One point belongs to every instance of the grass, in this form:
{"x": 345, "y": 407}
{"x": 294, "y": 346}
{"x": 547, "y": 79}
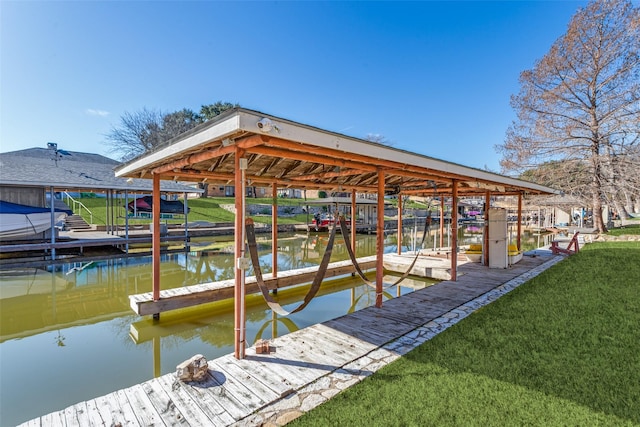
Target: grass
{"x": 208, "y": 209}
{"x": 562, "y": 349}
{"x": 627, "y": 229}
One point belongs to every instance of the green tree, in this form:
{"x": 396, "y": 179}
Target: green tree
{"x": 208, "y": 112}
{"x": 580, "y": 105}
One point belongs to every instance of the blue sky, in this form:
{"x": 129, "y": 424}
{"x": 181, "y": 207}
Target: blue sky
{"x": 431, "y": 77}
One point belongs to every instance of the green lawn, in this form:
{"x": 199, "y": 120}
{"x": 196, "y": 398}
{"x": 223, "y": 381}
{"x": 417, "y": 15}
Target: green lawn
{"x": 627, "y": 229}
{"x": 208, "y": 209}
{"x": 562, "y": 349}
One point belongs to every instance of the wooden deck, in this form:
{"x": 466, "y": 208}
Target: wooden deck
{"x": 307, "y": 366}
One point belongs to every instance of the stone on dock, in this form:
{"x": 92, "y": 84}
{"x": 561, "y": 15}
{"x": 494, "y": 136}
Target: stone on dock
{"x": 194, "y": 369}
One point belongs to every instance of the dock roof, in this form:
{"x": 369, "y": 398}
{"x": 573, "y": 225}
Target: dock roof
{"x": 293, "y": 155}
{"x": 73, "y": 171}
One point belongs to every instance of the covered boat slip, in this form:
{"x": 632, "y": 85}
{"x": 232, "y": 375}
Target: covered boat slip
{"x": 246, "y": 147}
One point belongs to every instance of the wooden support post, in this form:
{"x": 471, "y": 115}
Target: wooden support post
{"x": 353, "y": 221}
{"x": 186, "y": 224}
{"x": 519, "y": 221}
{"x": 441, "y": 221}
{"x": 380, "y": 240}
{"x": 485, "y": 238}
{"x": 454, "y": 230}
{"x": 274, "y": 230}
{"x": 53, "y": 223}
{"x": 239, "y": 319}
{"x": 399, "y": 224}
{"x": 126, "y": 219}
{"x": 155, "y": 237}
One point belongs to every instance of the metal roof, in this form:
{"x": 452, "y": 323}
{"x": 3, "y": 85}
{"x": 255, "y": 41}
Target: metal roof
{"x": 294, "y": 155}
{"x": 73, "y": 171}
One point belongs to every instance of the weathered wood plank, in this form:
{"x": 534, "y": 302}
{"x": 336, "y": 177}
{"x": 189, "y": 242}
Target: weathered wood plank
{"x": 211, "y": 407}
{"x": 233, "y": 388}
{"x": 163, "y": 404}
{"x": 357, "y": 345}
{"x": 70, "y": 416}
{"x": 145, "y": 411}
{"x": 127, "y": 414}
{"x": 54, "y": 419}
{"x": 82, "y": 414}
{"x": 94, "y": 416}
{"x": 31, "y": 423}
{"x": 340, "y": 344}
{"x": 245, "y": 387}
{"x": 276, "y": 382}
{"x": 257, "y": 383}
{"x": 107, "y": 406}
{"x": 312, "y": 349}
{"x": 210, "y": 391}
{"x": 345, "y": 325}
{"x": 193, "y": 414}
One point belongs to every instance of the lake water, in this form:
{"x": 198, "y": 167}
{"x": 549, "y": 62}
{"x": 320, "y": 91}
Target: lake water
{"x": 68, "y": 334}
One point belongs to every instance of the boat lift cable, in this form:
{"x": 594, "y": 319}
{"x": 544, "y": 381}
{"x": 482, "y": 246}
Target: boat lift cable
{"x": 347, "y": 241}
{"x": 315, "y": 285}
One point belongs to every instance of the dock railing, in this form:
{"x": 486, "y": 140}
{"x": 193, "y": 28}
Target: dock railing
{"x": 77, "y": 206}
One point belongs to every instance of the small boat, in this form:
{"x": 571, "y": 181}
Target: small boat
{"x": 145, "y": 204}
{"x": 323, "y": 223}
{"x": 23, "y": 221}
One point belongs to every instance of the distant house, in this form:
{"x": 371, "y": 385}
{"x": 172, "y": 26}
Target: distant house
{"x": 28, "y": 177}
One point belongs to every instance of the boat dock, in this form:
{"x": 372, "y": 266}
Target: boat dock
{"x": 188, "y": 296}
{"x": 304, "y": 368}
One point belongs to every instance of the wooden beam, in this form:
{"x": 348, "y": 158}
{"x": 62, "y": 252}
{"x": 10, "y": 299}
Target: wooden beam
{"x": 454, "y": 230}
{"x": 487, "y": 205}
{"x": 311, "y": 157}
{"x": 323, "y": 175}
{"x": 274, "y": 231}
{"x": 441, "y": 221}
{"x": 398, "y": 168}
{"x": 218, "y": 151}
{"x": 239, "y": 317}
{"x": 519, "y": 221}
{"x": 399, "y": 240}
{"x": 380, "y": 240}
{"x": 228, "y": 177}
{"x": 353, "y": 221}
{"x": 155, "y": 243}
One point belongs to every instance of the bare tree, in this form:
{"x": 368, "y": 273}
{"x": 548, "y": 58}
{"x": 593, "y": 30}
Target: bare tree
{"x": 377, "y": 138}
{"x": 136, "y": 133}
{"x": 580, "y": 105}
{"x": 146, "y": 129}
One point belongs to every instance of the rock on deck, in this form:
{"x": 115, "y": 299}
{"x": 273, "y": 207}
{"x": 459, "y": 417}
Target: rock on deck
{"x": 306, "y": 367}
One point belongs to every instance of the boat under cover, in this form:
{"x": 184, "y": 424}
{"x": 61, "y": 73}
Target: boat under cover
{"x": 22, "y": 221}
{"x": 145, "y": 204}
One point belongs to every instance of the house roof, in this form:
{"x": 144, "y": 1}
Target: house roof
{"x": 289, "y": 154}
{"x": 74, "y": 171}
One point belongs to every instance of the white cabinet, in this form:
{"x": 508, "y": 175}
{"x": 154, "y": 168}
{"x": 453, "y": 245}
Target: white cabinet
{"x": 498, "y": 242}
